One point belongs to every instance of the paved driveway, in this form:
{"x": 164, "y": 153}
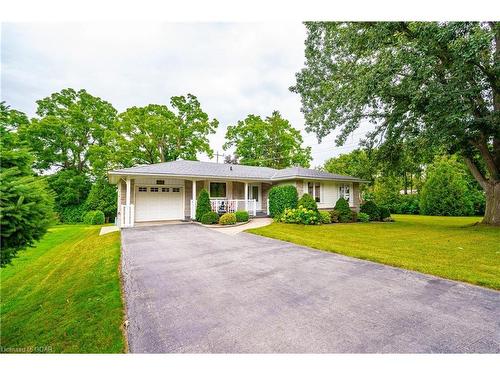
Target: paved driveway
{"x": 193, "y": 289}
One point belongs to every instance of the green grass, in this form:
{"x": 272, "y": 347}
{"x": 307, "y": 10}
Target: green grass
{"x": 64, "y": 295}
{"x": 449, "y": 247}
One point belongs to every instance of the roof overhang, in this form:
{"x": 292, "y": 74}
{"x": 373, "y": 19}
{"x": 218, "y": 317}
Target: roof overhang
{"x": 115, "y": 176}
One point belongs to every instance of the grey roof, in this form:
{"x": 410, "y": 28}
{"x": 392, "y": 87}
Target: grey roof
{"x": 189, "y": 168}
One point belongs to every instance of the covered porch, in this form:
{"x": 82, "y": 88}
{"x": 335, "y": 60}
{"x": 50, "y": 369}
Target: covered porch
{"x": 156, "y": 198}
{"x": 231, "y": 196}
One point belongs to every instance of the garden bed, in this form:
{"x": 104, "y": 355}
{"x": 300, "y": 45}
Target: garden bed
{"x": 222, "y": 226}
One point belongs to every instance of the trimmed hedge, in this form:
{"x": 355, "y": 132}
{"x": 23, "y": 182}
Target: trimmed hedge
{"x": 370, "y": 208}
{"x": 227, "y": 219}
{"x": 203, "y": 204}
{"x": 210, "y": 218}
{"x": 241, "y": 216}
{"x": 282, "y": 197}
{"x": 94, "y": 217}
{"x": 72, "y": 214}
{"x": 345, "y": 215}
{"x": 308, "y": 202}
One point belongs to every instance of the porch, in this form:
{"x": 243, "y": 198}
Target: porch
{"x": 157, "y": 199}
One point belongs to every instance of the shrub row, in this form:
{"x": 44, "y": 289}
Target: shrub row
{"x": 228, "y": 218}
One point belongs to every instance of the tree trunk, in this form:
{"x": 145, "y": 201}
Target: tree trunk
{"x": 492, "y": 212}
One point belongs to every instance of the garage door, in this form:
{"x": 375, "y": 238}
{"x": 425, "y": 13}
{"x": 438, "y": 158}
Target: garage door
{"x": 158, "y": 203}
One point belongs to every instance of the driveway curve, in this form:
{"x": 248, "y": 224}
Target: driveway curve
{"x": 192, "y": 289}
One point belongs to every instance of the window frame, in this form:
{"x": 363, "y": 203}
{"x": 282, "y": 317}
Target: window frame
{"x": 210, "y": 189}
{"x": 342, "y": 194}
{"x": 313, "y": 194}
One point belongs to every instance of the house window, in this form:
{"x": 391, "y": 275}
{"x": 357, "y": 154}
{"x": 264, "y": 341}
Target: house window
{"x": 218, "y": 189}
{"x": 345, "y": 192}
{"x": 314, "y": 190}
{"x": 165, "y": 190}
{"x": 317, "y": 192}
{"x": 153, "y": 190}
{"x": 143, "y": 189}
{"x": 160, "y": 182}
{"x": 176, "y": 190}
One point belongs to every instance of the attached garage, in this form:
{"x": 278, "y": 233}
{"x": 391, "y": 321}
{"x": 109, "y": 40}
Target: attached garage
{"x": 155, "y": 203}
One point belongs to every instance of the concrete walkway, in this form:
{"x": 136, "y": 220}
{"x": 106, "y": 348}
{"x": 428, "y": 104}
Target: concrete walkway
{"x": 193, "y": 289}
{"x": 254, "y": 223}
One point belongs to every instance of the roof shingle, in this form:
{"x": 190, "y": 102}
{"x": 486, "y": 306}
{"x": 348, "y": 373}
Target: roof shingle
{"x": 190, "y": 168}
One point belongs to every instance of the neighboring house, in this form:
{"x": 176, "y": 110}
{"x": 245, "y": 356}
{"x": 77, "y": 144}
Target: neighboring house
{"x": 168, "y": 191}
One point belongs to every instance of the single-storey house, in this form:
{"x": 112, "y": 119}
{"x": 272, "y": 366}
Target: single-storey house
{"x": 168, "y": 191}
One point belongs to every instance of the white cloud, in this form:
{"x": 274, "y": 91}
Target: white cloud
{"x": 233, "y": 69}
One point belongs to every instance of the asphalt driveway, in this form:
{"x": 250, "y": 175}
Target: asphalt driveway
{"x": 193, "y": 289}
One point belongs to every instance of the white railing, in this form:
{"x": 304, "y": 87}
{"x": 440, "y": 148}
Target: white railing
{"x": 229, "y": 205}
{"x": 127, "y": 216}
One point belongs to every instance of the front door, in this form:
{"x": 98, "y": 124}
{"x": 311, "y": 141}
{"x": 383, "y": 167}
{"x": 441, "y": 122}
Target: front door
{"x": 254, "y": 193}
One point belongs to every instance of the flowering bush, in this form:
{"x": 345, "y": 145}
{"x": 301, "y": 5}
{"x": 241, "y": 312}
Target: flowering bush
{"x": 300, "y": 215}
{"x": 325, "y": 217}
{"x": 227, "y": 219}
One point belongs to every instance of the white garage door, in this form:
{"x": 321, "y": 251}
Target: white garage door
{"x": 158, "y": 203}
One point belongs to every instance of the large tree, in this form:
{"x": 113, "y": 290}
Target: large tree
{"x": 156, "y": 133}
{"x": 437, "y": 82}
{"x": 272, "y": 142}
{"x": 358, "y": 163}
{"x": 69, "y": 131}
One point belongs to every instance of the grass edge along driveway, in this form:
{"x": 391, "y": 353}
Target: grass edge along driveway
{"x": 64, "y": 295}
{"x": 448, "y": 247}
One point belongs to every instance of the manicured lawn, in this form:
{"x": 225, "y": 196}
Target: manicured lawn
{"x": 64, "y": 294}
{"x": 450, "y": 247}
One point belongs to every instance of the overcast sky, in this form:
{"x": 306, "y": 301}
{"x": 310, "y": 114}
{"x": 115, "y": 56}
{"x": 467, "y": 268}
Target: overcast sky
{"x": 233, "y": 68}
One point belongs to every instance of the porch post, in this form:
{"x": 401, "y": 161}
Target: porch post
{"x": 127, "y": 196}
{"x": 127, "y": 211}
{"x": 246, "y": 196}
{"x": 193, "y": 202}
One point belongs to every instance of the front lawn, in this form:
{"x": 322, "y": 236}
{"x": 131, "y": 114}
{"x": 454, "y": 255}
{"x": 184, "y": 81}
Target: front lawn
{"x": 64, "y": 295}
{"x": 450, "y": 247}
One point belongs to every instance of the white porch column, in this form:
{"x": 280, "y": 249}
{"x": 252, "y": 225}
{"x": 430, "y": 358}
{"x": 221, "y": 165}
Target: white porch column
{"x": 127, "y": 195}
{"x": 127, "y": 210}
{"x": 193, "y": 202}
{"x": 246, "y": 196}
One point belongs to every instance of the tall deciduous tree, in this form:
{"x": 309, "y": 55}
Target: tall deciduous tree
{"x": 358, "y": 163}
{"x": 155, "y": 133}
{"x": 438, "y": 82}
{"x": 272, "y": 142}
{"x": 69, "y": 129}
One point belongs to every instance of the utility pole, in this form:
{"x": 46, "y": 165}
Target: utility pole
{"x": 217, "y": 156}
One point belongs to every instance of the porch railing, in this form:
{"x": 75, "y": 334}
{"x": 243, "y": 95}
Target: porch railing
{"x": 229, "y": 205}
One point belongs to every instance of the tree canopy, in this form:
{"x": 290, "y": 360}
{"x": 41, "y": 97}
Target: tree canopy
{"x": 155, "y": 133}
{"x": 272, "y": 142}
{"x": 356, "y": 163}
{"x": 434, "y": 83}
{"x": 70, "y": 127}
